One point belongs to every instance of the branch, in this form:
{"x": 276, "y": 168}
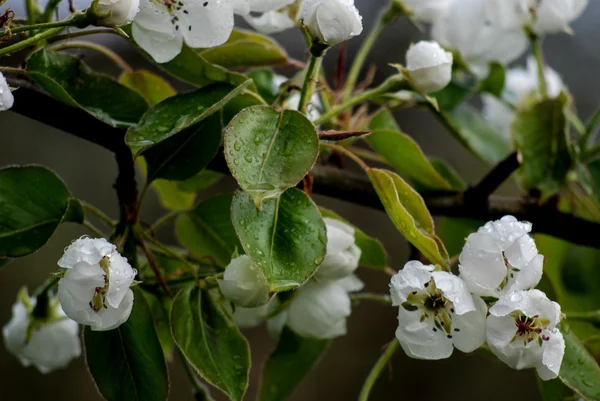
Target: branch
{"x": 328, "y": 181}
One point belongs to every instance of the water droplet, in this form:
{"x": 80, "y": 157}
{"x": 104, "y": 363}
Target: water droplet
{"x": 237, "y": 146}
{"x": 248, "y": 159}
{"x": 236, "y": 162}
{"x": 319, "y": 260}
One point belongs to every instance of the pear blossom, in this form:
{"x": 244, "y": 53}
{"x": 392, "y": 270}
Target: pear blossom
{"x": 48, "y": 343}
{"x": 500, "y": 258}
{"x": 330, "y": 21}
{"x": 482, "y": 31}
{"x": 119, "y": 12}
{"x": 6, "y": 97}
{"x": 429, "y": 66}
{"x": 521, "y": 331}
{"x": 95, "y": 289}
{"x": 426, "y": 10}
{"x": 246, "y": 318}
{"x": 554, "y": 16}
{"x": 270, "y": 22}
{"x": 437, "y": 313}
{"x": 520, "y": 86}
{"x": 342, "y": 255}
{"x": 244, "y": 284}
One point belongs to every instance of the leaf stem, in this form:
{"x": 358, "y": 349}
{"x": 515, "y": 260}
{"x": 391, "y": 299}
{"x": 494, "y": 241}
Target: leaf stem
{"x": 536, "y": 45}
{"x": 164, "y": 220}
{"x": 13, "y": 70}
{"x": 91, "y": 228}
{"x": 31, "y": 8}
{"x": 379, "y": 298}
{"x": 347, "y": 152}
{"x": 71, "y": 21}
{"x": 98, "y": 213}
{"x": 30, "y": 41}
{"x": 97, "y": 48}
{"x": 377, "y": 369}
{"x": 49, "y": 10}
{"x": 589, "y": 316}
{"x": 309, "y": 83}
{"x": 152, "y": 262}
{"x": 86, "y": 32}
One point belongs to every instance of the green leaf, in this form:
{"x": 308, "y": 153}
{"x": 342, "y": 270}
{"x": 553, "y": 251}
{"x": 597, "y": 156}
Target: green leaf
{"x": 487, "y": 144}
{"x": 448, "y": 173}
{"x": 269, "y": 151}
{"x": 201, "y": 181}
{"x": 373, "y": 253}
{"x": 127, "y": 363}
{"x": 454, "y": 232}
{"x": 408, "y": 212}
{"x": 159, "y": 308}
{"x": 33, "y": 202}
{"x": 211, "y": 342}
{"x": 287, "y": 240}
{"x": 151, "y": 86}
{"x": 540, "y": 133}
{"x": 207, "y": 231}
{"x": 554, "y": 390}
{"x": 291, "y": 361}
{"x": 451, "y": 96}
{"x": 169, "y": 193}
{"x": 246, "y": 49}
{"x": 75, "y": 212}
{"x": 72, "y": 82}
{"x": 589, "y": 175}
{"x": 176, "y": 114}
{"x": 383, "y": 119}
{"x": 579, "y": 369}
{"x": 265, "y": 82}
{"x": 4, "y": 263}
{"x": 494, "y": 82}
{"x": 406, "y": 157}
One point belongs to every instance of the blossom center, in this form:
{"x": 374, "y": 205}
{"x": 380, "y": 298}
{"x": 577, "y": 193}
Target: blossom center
{"x": 510, "y": 271}
{"x": 530, "y": 329}
{"x": 434, "y": 307}
{"x": 99, "y": 298}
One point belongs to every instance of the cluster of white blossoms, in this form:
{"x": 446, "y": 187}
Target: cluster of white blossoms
{"x": 440, "y": 311}
{"x": 318, "y": 309}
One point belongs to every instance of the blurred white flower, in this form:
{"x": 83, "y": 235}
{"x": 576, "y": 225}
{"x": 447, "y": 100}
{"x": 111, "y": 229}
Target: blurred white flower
{"x": 437, "y": 313}
{"x": 293, "y": 101}
{"x": 521, "y": 331}
{"x": 270, "y": 22}
{"x": 6, "y": 97}
{"x": 252, "y": 317}
{"x": 554, "y": 16}
{"x": 429, "y": 66}
{"x": 482, "y": 31}
{"x": 500, "y": 258}
{"x": 95, "y": 289}
{"x": 520, "y": 85}
{"x": 121, "y": 12}
{"x": 330, "y": 21}
{"x": 244, "y": 284}
{"x": 426, "y": 10}
{"x": 342, "y": 255}
{"x": 47, "y": 343}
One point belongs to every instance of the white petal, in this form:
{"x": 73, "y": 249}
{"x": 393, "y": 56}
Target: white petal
{"x": 276, "y": 324}
{"x": 340, "y": 236}
{"x": 472, "y": 327}
{"x": 206, "y": 23}
{"x": 153, "y": 32}
{"x": 252, "y": 317}
{"x": 342, "y": 254}
{"x": 244, "y": 284}
{"x": 79, "y": 311}
{"x": 528, "y": 277}
{"x": 429, "y": 66}
{"x": 427, "y": 10}
{"x": 89, "y": 250}
{"x": 418, "y": 338}
{"x": 264, "y": 6}
{"x": 82, "y": 280}
{"x": 481, "y": 263}
{"x": 15, "y": 331}
{"x": 553, "y": 353}
{"x": 455, "y": 290}
{"x": 270, "y": 22}
{"x": 531, "y": 303}
{"x": 517, "y": 355}
{"x": 521, "y": 252}
{"x": 500, "y": 330}
{"x": 6, "y": 97}
{"x": 54, "y": 345}
{"x": 497, "y": 114}
{"x": 554, "y": 16}
{"x": 122, "y": 12}
{"x": 120, "y": 279}
{"x": 111, "y": 318}
{"x": 338, "y": 21}
{"x": 412, "y": 277}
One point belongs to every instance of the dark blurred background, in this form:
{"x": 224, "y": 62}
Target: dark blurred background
{"x": 90, "y": 172}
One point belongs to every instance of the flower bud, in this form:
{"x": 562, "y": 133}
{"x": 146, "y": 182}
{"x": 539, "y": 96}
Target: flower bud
{"x": 95, "y": 289}
{"x": 554, "y": 16}
{"x": 429, "y": 66}
{"x": 342, "y": 255}
{"x": 47, "y": 343}
{"x": 244, "y": 284}
{"x": 6, "y": 96}
{"x": 330, "y": 21}
{"x": 117, "y": 12}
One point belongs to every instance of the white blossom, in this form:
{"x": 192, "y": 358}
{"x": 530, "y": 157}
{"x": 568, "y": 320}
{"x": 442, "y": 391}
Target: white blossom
{"x": 521, "y": 86}
{"x": 342, "y": 255}
{"x": 120, "y": 12}
{"x": 252, "y": 317}
{"x": 47, "y": 343}
{"x": 293, "y": 101}
{"x": 6, "y": 97}
{"x": 426, "y": 10}
{"x": 554, "y": 16}
{"x": 437, "y": 313}
{"x": 521, "y": 331}
{"x": 501, "y": 257}
{"x": 429, "y": 66}
{"x": 482, "y": 31}
{"x": 95, "y": 289}
{"x": 330, "y": 21}
{"x": 244, "y": 284}
{"x": 270, "y": 22}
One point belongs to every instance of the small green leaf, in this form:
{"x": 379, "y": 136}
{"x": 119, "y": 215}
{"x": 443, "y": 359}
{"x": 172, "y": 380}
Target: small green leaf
{"x": 540, "y": 133}
{"x": 287, "y": 240}
{"x": 554, "y": 390}
{"x": 201, "y": 181}
{"x": 291, "y": 361}
{"x": 33, "y": 202}
{"x": 169, "y": 193}
{"x": 383, "y": 119}
{"x": 408, "y": 212}
{"x": 151, "y": 86}
{"x": 72, "y": 82}
{"x": 494, "y": 82}
{"x": 207, "y": 231}
{"x": 75, "y": 212}
{"x": 487, "y": 144}
{"x": 373, "y": 253}
{"x": 176, "y": 114}
{"x": 448, "y": 173}
{"x": 211, "y": 342}
{"x": 451, "y": 96}
{"x": 579, "y": 370}
{"x": 246, "y": 49}
{"x": 160, "y": 308}
{"x": 265, "y": 82}
{"x": 406, "y": 156}
{"x": 269, "y": 151}
{"x": 127, "y": 363}
{"x": 589, "y": 175}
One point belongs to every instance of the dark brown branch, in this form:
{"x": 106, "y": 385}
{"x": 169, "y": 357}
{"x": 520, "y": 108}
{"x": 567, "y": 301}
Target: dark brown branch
{"x": 496, "y": 177}
{"x": 328, "y": 181}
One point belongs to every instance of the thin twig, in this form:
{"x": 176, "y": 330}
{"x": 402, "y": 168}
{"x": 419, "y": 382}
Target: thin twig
{"x": 153, "y": 265}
